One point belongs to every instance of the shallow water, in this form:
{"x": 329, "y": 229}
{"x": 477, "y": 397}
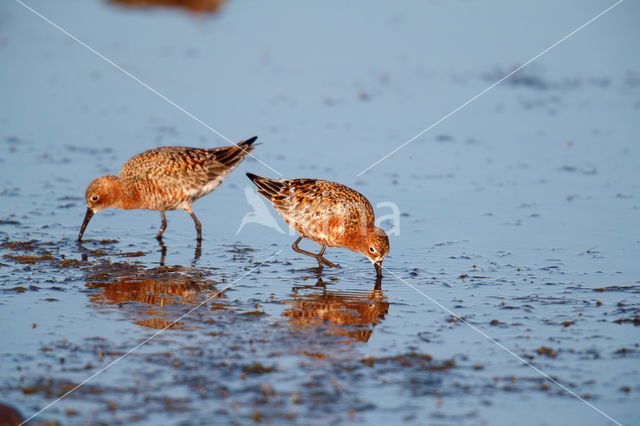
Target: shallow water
{"x": 519, "y": 214}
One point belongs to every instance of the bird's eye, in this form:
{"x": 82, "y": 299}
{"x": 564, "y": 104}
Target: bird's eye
{"x": 372, "y": 250}
{"x": 94, "y": 198}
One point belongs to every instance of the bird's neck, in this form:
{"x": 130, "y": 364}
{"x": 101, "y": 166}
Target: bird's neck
{"x": 125, "y": 196}
{"x": 357, "y": 242}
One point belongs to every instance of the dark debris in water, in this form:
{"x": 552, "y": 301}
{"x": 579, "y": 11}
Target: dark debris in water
{"x": 548, "y": 352}
{"x": 627, "y": 288}
{"x": 423, "y": 362}
{"x": 635, "y": 320}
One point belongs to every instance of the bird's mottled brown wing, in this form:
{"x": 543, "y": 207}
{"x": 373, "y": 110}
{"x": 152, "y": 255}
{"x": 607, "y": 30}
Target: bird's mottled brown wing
{"x": 167, "y": 165}
{"x": 308, "y": 200}
{"x": 325, "y": 212}
{"x": 182, "y": 174}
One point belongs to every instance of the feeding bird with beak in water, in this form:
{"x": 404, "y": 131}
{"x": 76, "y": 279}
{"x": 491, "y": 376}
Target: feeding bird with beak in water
{"x": 327, "y": 213}
{"x": 166, "y": 178}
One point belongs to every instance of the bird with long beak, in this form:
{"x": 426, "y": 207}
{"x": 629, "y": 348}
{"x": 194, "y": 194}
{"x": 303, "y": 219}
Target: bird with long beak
{"x": 327, "y": 213}
{"x": 162, "y": 179}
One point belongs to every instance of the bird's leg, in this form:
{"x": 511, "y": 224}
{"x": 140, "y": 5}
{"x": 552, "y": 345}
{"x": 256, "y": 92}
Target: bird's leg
{"x": 198, "y": 226}
{"x": 295, "y": 248}
{"x": 162, "y": 227}
{"x": 321, "y": 260}
{"x": 196, "y": 221}
{"x": 325, "y": 261}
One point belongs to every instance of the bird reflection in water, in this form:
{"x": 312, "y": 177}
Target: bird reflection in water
{"x": 351, "y": 314}
{"x": 201, "y": 6}
{"x": 163, "y": 253}
{"x": 150, "y": 297}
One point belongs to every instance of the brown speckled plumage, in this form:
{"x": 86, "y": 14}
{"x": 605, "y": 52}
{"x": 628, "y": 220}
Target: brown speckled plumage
{"x": 327, "y": 213}
{"x": 166, "y": 178}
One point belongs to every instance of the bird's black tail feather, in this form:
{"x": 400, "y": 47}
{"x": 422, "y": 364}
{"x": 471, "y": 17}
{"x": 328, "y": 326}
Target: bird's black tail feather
{"x": 266, "y": 187}
{"x": 232, "y": 155}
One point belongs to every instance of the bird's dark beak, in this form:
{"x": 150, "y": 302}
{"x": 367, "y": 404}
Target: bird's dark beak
{"x": 378, "y": 266}
{"x": 85, "y": 222}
